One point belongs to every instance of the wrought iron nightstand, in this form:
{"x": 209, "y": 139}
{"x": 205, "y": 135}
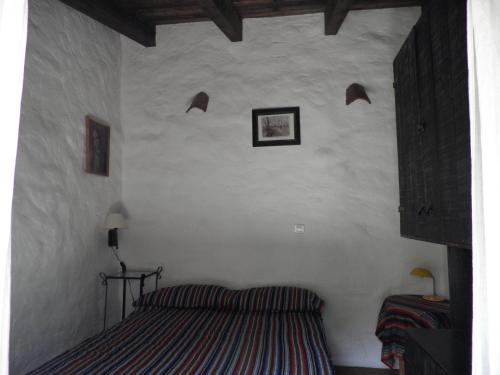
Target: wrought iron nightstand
{"x": 127, "y": 276}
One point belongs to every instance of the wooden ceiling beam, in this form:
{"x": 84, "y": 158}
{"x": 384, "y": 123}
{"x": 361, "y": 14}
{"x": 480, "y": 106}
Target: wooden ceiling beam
{"x": 114, "y": 18}
{"x": 224, "y": 14}
{"x": 335, "y": 13}
{"x": 153, "y": 4}
{"x": 179, "y": 12}
{"x": 136, "y": 19}
{"x": 286, "y": 8}
{"x": 379, "y": 4}
{"x": 173, "y": 21}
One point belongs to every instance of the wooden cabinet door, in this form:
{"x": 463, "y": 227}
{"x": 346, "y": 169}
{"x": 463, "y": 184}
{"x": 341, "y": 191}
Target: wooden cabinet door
{"x": 428, "y": 215}
{"x": 459, "y": 224}
{"x": 418, "y": 362}
{"x": 416, "y": 130}
{"x": 448, "y": 34}
{"x": 410, "y": 171}
{"x": 432, "y": 116}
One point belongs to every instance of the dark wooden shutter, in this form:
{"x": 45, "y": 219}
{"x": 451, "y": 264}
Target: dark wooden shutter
{"x": 405, "y": 81}
{"x": 459, "y": 226}
{"x": 432, "y": 116}
{"x": 428, "y": 215}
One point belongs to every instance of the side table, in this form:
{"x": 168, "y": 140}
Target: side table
{"x": 401, "y": 312}
{"x": 126, "y": 276}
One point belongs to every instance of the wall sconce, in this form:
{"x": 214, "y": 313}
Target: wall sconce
{"x": 355, "y": 91}
{"x": 425, "y": 273}
{"x": 115, "y": 221}
{"x": 200, "y": 101}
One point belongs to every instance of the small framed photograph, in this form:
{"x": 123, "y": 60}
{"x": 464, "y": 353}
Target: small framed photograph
{"x": 276, "y": 126}
{"x": 97, "y": 139}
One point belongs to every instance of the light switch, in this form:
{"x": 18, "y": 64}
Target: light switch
{"x": 299, "y": 228}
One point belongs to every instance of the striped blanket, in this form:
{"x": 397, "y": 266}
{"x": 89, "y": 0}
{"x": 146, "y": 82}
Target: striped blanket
{"x": 400, "y": 312}
{"x": 194, "y": 340}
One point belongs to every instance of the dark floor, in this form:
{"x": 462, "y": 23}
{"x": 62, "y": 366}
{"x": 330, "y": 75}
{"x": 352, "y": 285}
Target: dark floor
{"x": 363, "y": 371}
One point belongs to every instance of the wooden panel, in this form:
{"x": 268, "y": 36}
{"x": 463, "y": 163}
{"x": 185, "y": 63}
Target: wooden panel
{"x": 335, "y": 13}
{"x": 442, "y": 86}
{"x": 406, "y": 94}
{"x": 428, "y": 185}
{"x": 225, "y": 16}
{"x": 436, "y": 352}
{"x": 434, "y": 156}
{"x": 418, "y": 362}
{"x": 113, "y": 17}
{"x": 417, "y": 140}
{"x": 380, "y": 4}
{"x": 460, "y": 281}
{"x": 151, "y": 4}
{"x": 173, "y": 20}
{"x": 180, "y": 14}
{"x": 450, "y": 70}
{"x": 460, "y": 229}
{"x": 285, "y": 8}
{"x": 136, "y": 18}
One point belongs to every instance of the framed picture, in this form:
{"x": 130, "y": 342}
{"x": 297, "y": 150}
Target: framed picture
{"x": 276, "y": 126}
{"x": 96, "y": 147}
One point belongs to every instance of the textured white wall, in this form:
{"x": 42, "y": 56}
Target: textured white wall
{"x": 210, "y": 208}
{"x": 58, "y": 246}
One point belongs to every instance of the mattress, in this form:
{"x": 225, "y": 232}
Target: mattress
{"x": 202, "y": 340}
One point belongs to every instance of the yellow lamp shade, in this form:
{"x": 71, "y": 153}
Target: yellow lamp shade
{"x": 421, "y": 272}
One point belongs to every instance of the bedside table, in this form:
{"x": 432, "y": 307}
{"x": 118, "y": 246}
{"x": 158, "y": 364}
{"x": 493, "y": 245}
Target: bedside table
{"x": 127, "y": 276}
{"x": 401, "y": 312}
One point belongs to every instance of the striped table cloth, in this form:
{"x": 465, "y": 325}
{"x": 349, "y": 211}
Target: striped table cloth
{"x": 198, "y": 340}
{"x": 401, "y": 312}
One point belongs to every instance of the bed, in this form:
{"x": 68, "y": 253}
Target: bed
{"x": 199, "y": 329}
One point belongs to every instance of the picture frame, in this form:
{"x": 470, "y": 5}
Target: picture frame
{"x": 276, "y": 126}
{"x": 97, "y": 146}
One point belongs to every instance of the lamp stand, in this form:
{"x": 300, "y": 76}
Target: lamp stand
{"x": 434, "y": 297}
{"x": 113, "y": 238}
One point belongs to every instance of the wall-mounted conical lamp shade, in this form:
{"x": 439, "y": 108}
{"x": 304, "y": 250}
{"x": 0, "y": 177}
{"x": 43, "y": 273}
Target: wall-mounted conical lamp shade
{"x": 200, "y": 101}
{"x": 115, "y": 220}
{"x": 355, "y": 91}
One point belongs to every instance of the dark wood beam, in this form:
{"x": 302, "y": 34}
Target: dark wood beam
{"x": 335, "y": 13}
{"x": 286, "y": 8}
{"x": 114, "y": 18}
{"x": 379, "y": 4}
{"x": 225, "y": 16}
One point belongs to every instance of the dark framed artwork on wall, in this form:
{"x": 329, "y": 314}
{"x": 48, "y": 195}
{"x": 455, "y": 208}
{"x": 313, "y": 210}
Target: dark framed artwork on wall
{"x": 97, "y": 140}
{"x": 276, "y": 126}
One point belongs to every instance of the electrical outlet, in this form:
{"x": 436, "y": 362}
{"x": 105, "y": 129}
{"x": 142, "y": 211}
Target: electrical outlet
{"x": 299, "y": 228}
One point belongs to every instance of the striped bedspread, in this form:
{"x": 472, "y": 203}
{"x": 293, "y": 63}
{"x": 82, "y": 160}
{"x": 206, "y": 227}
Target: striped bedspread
{"x": 401, "y": 312}
{"x": 202, "y": 341}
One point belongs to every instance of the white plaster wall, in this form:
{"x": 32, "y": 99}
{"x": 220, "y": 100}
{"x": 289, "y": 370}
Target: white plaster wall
{"x": 210, "y": 208}
{"x": 58, "y": 246}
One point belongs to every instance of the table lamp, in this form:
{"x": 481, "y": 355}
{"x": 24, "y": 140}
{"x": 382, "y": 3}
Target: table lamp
{"x": 115, "y": 221}
{"x": 424, "y": 273}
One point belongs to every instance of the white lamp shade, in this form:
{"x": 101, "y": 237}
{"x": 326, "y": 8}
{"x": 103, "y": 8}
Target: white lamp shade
{"x": 115, "y": 220}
